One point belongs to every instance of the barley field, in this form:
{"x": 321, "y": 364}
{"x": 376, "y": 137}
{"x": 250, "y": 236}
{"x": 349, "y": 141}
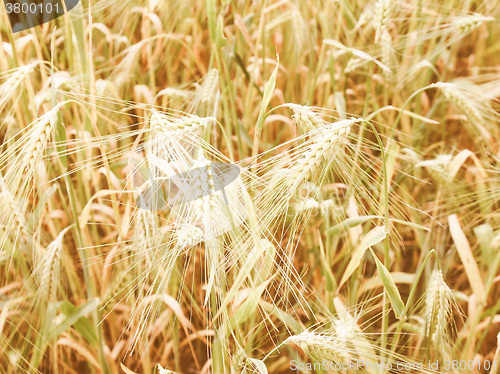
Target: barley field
{"x": 264, "y": 186}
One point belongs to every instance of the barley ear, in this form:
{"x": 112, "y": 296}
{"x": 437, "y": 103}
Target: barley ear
{"x": 305, "y": 118}
{"x": 13, "y": 210}
{"x": 49, "y": 269}
{"x": 438, "y": 313}
{"x": 321, "y": 346}
{"x": 383, "y": 10}
{"x": 465, "y": 25}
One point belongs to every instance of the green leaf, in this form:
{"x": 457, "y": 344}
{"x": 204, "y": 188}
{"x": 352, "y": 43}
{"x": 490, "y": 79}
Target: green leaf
{"x": 72, "y": 318}
{"x": 37, "y": 213}
{"x": 268, "y": 91}
{"x": 267, "y": 262}
{"x": 220, "y": 39}
{"x": 390, "y": 287}
{"x": 392, "y": 155}
{"x": 263, "y": 248}
{"x": 260, "y": 365}
{"x": 373, "y": 237}
{"x": 211, "y": 20}
{"x": 283, "y": 316}
{"x": 331, "y": 284}
{"x": 60, "y": 139}
{"x": 485, "y": 234}
{"x": 340, "y": 105}
{"x": 8, "y": 252}
{"x": 249, "y": 306}
{"x": 465, "y": 252}
{"x": 83, "y": 326}
{"x": 355, "y": 221}
{"x": 348, "y": 223}
{"x": 126, "y": 370}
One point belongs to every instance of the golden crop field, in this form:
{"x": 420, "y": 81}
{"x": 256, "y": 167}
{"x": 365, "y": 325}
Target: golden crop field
{"x": 264, "y": 186}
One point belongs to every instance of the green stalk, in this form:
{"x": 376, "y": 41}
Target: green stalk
{"x": 385, "y": 317}
{"x": 399, "y": 326}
